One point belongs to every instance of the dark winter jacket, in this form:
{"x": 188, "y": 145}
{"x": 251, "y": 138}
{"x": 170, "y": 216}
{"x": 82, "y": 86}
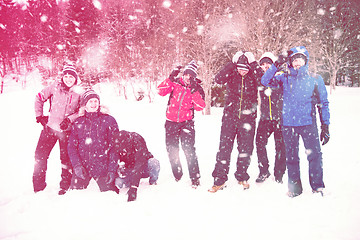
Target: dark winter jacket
{"x": 241, "y": 92}
{"x": 302, "y": 91}
{"x": 271, "y": 101}
{"x": 133, "y": 154}
{"x": 182, "y": 102}
{"x": 90, "y": 143}
{"x": 64, "y": 103}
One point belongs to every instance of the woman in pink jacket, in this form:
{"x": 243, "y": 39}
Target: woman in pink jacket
{"x": 64, "y": 100}
{"x": 186, "y": 95}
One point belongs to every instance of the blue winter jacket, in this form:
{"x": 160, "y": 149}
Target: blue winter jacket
{"x": 302, "y": 91}
{"x": 90, "y": 144}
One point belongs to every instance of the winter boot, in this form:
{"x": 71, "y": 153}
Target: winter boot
{"x": 245, "y": 184}
{"x": 278, "y": 179}
{"x": 262, "y": 177}
{"x": 62, "y": 191}
{"x": 216, "y": 188}
{"x": 319, "y": 191}
{"x": 295, "y": 188}
{"x": 195, "y": 183}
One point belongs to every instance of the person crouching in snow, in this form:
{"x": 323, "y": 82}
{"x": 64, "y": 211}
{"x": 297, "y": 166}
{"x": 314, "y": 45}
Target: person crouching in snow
{"x": 186, "y": 95}
{"x": 90, "y": 146}
{"x": 64, "y": 98}
{"x": 135, "y": 162}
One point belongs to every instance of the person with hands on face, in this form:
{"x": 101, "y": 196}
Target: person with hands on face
{"x": 64, "y": 98}
{"x": 242, "y": 77}
{"x": 302, "y": 92}
{"x": 186, "y": 95}
{"x": 269, "y": 123}
{"x": 90, "y": 146}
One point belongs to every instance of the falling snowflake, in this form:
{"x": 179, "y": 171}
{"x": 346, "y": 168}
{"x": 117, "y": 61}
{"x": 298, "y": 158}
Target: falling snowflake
{"x": 166, "y": 4}
{"x": 321, "y": 11}
{"x": 88, "y": 141}
{"x": 97, "y": 4}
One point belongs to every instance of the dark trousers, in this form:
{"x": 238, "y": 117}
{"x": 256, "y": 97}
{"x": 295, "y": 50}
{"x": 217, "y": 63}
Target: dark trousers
{"x": 244, "y": 131}
{"x": 78, "y": 183}
{"x": 311, "y": 141}
{"x": 183, "y": 132}
{"x": 46, "y": 143}
{"x": 264, "y": 131}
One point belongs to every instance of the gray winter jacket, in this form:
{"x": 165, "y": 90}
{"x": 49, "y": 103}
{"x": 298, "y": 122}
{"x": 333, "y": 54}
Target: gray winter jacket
{"x": 64, "y": 103}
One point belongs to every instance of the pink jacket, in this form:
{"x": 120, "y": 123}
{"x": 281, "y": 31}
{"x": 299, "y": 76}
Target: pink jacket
{"x": 182, "y": 102}
{"x": 63, "y": 104}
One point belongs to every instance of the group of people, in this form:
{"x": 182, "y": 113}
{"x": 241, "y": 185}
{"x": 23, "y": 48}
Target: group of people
{"x": 92, "y": 146}
{"x": 289, "y": 95}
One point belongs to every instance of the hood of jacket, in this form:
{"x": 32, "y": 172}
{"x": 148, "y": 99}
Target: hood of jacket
{"x": 304, "y": 69}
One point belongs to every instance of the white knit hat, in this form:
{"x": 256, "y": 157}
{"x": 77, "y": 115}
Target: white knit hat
{"x": 191, "y": 69}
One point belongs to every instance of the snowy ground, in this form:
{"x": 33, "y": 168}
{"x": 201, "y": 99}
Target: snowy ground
{"x": 173, "y": 210}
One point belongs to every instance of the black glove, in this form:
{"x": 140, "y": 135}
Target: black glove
{"x": 110, "y": 178}
{"x": 65, "y": 124}
{"x": 324, "y": 135}
{"x": 80, "y": 172}
{"x": 280, "y": 61}
{"x": 42, "y": 119}
{"x": 174, "y": 73}
{"x": 194, "y": 86}
{"x": 132, "y": 194}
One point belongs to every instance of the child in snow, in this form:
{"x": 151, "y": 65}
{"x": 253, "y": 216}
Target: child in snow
{"x": 135, "y": 162}
{"x": 64, "y": 100}
{"x": 270, "y": 122}
{"x": 302, "y": 91}
{"x": 90, "y": 146}
{"x": 242, "y": 77}
{"x": 186, "y": 95}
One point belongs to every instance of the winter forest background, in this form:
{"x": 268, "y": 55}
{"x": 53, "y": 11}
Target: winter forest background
{"x": 137, "y": 43}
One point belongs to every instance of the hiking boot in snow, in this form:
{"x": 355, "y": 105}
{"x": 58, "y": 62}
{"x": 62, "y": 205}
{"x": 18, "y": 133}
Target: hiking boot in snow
{"x": 319, "y": 191}
{"x": 293, "y": 194}
{"x": 195, "y": 183}
{"x": 278, "y": 179}
{"x": 216, "y": 188}
{"x": 262, "y": 177}
{"x": 245, "y": 184}
{"x": 62, "y": 192}
{"x": 152, "y": 182}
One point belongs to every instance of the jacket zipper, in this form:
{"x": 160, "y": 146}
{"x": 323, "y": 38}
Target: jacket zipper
{"x": 181, "y": 101}
{"x": 270, "y": 107}
{"x": 241, "y": 95}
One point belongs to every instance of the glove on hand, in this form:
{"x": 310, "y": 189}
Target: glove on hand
{"x": 324, "y": 135}
{"x": 42, "y": 119}
{"x": 236, "y": 57}
{"x": 65, "y": 124}
{"x": 194, "y": 86}
{"x": 80, "y": 172}
{"x": 132, "y": 194}
{"x": 250, "y": 57}
{"x": 174, "y": 73}
{"x": 280, "y": 61}
{"x": 110, "y": 178}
